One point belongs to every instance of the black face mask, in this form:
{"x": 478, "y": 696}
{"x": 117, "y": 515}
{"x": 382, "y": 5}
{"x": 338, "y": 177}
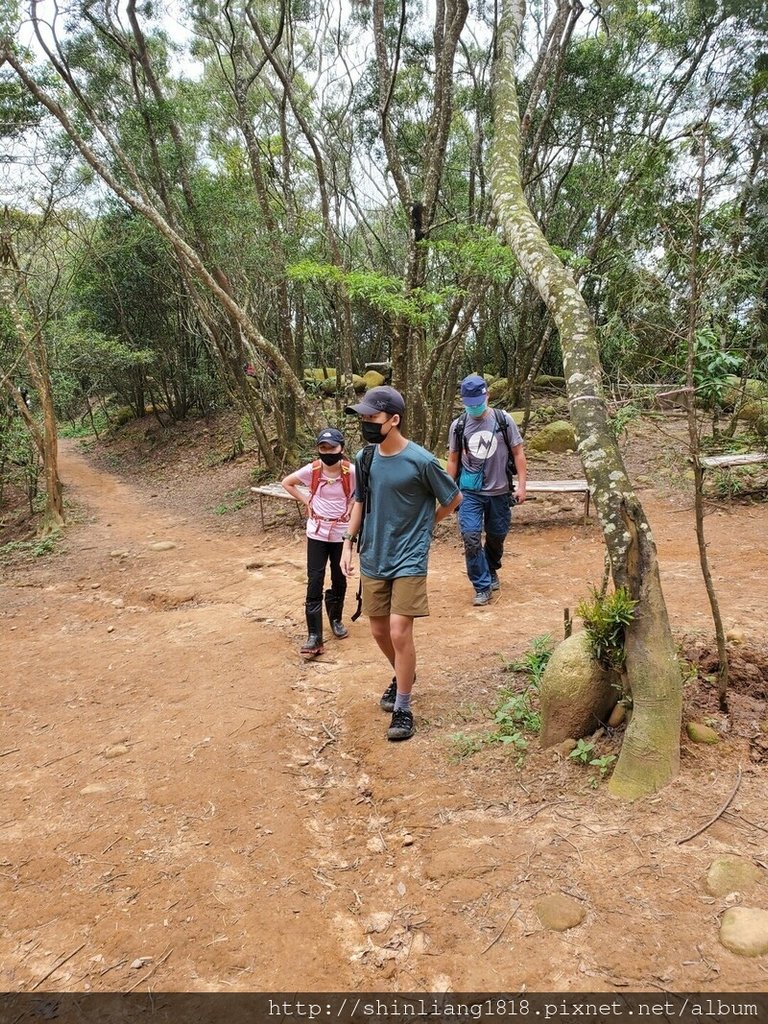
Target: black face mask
{"x": 332, "y": 459}
{"x": 372, "y": 432}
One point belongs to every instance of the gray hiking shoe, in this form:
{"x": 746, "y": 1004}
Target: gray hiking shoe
{"x": 401, "y": 726}
{"x": 481, "y": 597}
{"x": 495, "y": 585}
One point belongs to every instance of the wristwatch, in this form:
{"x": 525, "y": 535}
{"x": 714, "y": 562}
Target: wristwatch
{"x": 349, "y": 536}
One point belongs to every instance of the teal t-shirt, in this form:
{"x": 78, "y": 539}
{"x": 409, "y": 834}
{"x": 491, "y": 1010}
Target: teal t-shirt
{"x": 397, "y": 529}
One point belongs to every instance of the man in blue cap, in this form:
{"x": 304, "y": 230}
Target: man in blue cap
{"x": 481, "y": 443}
{"x": 401, "y": 492}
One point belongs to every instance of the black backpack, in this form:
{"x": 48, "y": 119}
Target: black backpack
{"x": 365, "y": 476}
{"x": 501, "y": 427}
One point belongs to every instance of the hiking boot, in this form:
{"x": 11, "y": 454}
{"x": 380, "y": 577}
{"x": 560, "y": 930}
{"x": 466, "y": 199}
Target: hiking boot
{"x": 314, "y": 643}
{"x": 333, "y": 606}
{"x": 387, "y": 702}
{"x": 495, "y": 585}
{"x": 481, "y": 597}
{"x": 401, "y": 726}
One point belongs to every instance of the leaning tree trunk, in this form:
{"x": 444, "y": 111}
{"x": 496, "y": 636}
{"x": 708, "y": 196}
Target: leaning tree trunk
{"x": 650, "y": 754}
{"x": 36, "y": 357}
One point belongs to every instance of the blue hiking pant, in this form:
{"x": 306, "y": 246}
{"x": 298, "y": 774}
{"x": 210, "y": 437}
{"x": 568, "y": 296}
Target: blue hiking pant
{"x": 480, "y": 512}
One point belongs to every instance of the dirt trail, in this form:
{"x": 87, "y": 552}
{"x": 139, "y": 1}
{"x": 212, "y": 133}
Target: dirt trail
{"x": 178, "y": 785}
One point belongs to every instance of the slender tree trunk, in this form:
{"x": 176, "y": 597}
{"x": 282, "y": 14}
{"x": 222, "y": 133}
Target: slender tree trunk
{"x": 693, "y": 434}
{"x": 650, "y": 754}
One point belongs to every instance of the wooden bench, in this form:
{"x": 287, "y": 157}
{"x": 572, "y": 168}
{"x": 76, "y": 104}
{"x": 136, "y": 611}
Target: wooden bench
{"x": 728, "y": 461}
{"x": 277, "y": 491}
{"x": 560, "y": 487}
{"x": 532, "y": 487}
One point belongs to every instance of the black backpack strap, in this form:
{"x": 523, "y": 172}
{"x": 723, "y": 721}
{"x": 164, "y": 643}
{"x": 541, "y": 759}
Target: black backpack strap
{"x": 502, "y": 426}
{"x": 461, "y": 441}
{"x": 365, "y": 476}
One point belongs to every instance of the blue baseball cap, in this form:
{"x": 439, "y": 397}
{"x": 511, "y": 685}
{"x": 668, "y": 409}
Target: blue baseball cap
{"x": 474, "y": 390}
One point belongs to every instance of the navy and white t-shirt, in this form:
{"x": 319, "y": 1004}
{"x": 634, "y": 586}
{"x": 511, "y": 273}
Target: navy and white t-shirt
{"x": 484, "y": 454}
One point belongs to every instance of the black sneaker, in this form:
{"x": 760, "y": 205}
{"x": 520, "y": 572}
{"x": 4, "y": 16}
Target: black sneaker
{"x": 401, "y": 726}
{"x": 387, "y": 702}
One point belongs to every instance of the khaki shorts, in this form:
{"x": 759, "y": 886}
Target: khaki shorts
{"x": 406, "y": 595}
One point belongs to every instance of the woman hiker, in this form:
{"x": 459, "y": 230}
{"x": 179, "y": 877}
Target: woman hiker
{"x": 330, "y": 481}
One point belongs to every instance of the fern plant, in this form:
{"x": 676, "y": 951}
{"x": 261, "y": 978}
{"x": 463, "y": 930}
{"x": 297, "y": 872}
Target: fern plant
{"x": 606, "y": 617}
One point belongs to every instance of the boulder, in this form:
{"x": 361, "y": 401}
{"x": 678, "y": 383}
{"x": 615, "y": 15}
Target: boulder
{"x": 575, "y": 692}
{"x": 554, "y": 437}
{"x": 756, "y": 415}
{"x": 373, "y": 379}
{"x": 358, "y": 383}
{"x": 498, "y": 391}
{"x": 733, "y": 874}
{"x": 744, "y": 930}
{"x": 550, "y": 383}
{"x": 699, "y": 733}
{"x": 754, "y": 390}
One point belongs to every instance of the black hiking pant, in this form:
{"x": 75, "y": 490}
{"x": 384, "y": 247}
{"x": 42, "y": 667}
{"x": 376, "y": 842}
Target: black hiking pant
{"x": 319, "y": 554}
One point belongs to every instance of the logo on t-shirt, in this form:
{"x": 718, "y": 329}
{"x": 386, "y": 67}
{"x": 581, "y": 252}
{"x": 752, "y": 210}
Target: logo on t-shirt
{"x": 482, "y": 444}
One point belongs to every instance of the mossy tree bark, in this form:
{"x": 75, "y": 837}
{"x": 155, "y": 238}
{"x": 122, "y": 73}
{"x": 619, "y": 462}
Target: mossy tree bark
{"x": 650, "y": 754}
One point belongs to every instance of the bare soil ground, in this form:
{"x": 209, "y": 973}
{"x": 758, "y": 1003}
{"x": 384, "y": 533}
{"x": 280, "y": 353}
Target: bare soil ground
{"x": 189, "y": 806}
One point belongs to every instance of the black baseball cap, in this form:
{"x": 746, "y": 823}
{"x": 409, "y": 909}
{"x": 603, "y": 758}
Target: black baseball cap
{"x": 381, "y": 399}
{"x": 330, "y": 435}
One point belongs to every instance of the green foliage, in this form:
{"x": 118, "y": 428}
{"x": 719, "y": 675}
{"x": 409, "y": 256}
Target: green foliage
{"x": 606, "y": 617}
{"x": 420, "y": 307}
{"x": 712, "y": 366}
{"x": 535, "y": 659}
{"x": 35, "y": 548}
{"x": 619, "y": 423}
{"x": 464, "y": 745}
{"x": 582, "y": 752}
{"x": 515, "y": 713}
{"x": 237, "y": 499}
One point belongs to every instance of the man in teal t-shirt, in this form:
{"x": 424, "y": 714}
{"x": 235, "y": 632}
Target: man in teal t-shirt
{"x": 403, "y": 485}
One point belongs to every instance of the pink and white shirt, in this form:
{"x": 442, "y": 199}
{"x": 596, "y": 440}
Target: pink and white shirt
{"x": 329, "y": 516}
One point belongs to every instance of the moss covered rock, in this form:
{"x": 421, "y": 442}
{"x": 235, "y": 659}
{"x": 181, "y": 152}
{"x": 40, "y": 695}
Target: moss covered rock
{"x": 699, "y": 733}
{"x": 547, "y": 382}
{"x": 373, "y": 379}
{"x": 576, "y": 693}
{"x": 733, "y": 874}
{"x": 554, "y": 437}
{"x": 754, "y": 390}
{"x": 498, "y": 391}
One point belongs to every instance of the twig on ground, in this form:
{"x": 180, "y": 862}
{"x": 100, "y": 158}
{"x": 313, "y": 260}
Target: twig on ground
{"x": 146, "y": 977}
{"x": 503, "y": 929}
{"x": 13, "y": 750}
{"x": 56, "y": 967}
{"x": 114, "y": 843}
{"x": 712, "y": 820}
{"x": 55, "y": 760}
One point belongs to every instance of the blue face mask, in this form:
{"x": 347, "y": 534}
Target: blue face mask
{"x": 476, "y": 410}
